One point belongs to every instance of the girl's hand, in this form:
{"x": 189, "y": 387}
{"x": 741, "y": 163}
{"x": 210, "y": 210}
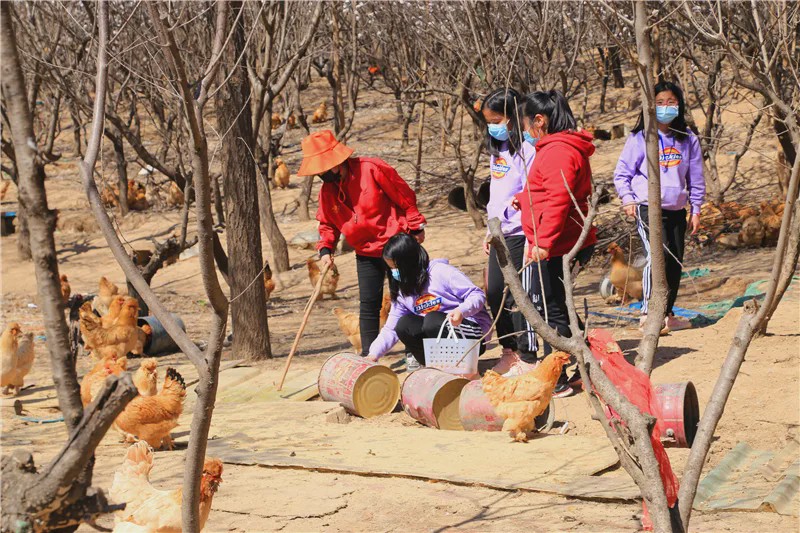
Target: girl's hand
{"x": 630, "y": 210}
{"x": 456, "y": 317}
{"x": 514, "y": 204}
{"x": 486, "y": 245}
{"x": 420, "y": 236}
{"x": 694, "y": 223}
{"x": 373, "y": 358}
{"x": 539, "y": 254}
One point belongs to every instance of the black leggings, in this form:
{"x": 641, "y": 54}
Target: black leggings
{"x": 555, "y": 296}
{"x": 371, "y": 272}
{"x": 509, "y": 322}
{"x": 674, "y": 235}
{"x": 412, "y": 329}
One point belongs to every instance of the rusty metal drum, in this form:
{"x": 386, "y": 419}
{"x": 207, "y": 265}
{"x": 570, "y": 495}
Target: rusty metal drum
{"x": 431, "y": 397}
{"x": 680, "y": 412}
{"x": 364, "y": 388}
{"x": 477, "y": 413}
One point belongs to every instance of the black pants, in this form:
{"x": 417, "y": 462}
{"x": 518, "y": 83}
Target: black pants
{"x": 412, "y": 329}
{"x": 551, "y": 285}
{"x": 509, "y": 322}
{"x": 371, "y": 272}
{"x": 674, "y": 235}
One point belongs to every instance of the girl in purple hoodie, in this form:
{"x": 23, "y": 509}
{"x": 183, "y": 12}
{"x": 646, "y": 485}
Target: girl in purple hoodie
{"x": 681, "y": 161}
{"x": 424, "y": 295}
{"x": 510, "y": 160}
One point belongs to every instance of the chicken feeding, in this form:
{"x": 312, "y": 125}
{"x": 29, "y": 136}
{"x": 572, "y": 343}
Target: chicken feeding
{"x": 282, "y": 174}
{"x": 175, "y": 196}
{"x": 328, "y": 284}
{"x": 65, "y": 289}
{"x": 146, "y": 378}
{"x": 94, "y": 380}
{"x": 152, "y": 418}
{"x": 16, "y": 358}
{"x": 106, "y": 292}
{"x": 626, "y": 279}
{"x": 148, "y": 508}
{"x": 321, "y": 114}
{"x": 521, "y": 399}
{"x": 349, "y": 322}
{"x": 120, "y": 338}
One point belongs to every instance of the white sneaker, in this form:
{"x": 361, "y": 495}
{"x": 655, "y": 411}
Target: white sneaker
{"x": 411, "y": 363}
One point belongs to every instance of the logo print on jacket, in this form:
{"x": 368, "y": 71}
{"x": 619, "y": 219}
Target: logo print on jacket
{"x": 669, "y": 157}
{"x": 500, "y": 168}
{"x": 427, "y": 303}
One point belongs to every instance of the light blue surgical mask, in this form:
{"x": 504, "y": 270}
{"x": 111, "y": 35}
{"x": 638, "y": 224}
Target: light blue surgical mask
{"x": 498, "y": 131}
{"x": 667, "y": 113}
{"x": 395, "y": 273}
{"x": 530, "y": 138}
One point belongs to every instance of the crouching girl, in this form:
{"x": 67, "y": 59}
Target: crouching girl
{"x": 425, "y": 294}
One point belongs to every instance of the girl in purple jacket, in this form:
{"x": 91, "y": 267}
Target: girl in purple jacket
{"x": 681, "y": 161}
{"x": 425, "y": 294}
{"x": 510, "y": 160}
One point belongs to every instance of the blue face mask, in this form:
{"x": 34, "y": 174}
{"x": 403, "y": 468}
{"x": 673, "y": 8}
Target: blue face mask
{"x": 498, "y": 131}
{"x": 530, "y": 138}
{"x": 395, "y": 273}
{"x": 666, "y": 113}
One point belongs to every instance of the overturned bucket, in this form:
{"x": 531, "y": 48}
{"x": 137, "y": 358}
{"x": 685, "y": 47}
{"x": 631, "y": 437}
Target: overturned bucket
{"x": 364, "y": 388}
{"x": 158, "y": 341}
{"x": 477, "y": 413}
{"x": 431, "y": 396}
{"x": 680, "y": 412}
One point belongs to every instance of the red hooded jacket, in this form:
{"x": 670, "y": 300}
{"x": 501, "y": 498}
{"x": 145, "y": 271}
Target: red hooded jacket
{"x": 372, "y": 205}
{"x": 558, "y": 223}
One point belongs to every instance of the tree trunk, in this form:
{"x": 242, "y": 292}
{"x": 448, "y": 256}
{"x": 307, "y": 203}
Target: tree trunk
{"x": 604, "y": 80}
{"x": 280, "y": 251}
{"x": 218, "y": 201}
{"x": 616, "y": 66}
{"x": 122, "y": 171}
{"x": 418, "y": 161}
{"x": 408, "y": 116}
{"x": 784, "y": 136}
{"x": 305, "y": 198}
{"x": 248, "y": 302}
{"x": 23, "y": 231}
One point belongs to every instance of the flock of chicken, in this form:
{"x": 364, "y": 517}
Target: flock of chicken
{"x": 138, "y": 197}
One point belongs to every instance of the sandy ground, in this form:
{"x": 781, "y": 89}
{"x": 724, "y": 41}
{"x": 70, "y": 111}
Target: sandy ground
{"x": 764, "y": 408}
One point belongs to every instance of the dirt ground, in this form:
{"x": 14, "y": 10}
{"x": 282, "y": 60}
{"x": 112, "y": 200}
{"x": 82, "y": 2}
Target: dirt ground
{"x": 763, "y": 410}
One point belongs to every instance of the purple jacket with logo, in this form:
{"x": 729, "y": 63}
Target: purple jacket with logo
{"x": 448, "y": 289}
{"x": 508, "y": 174}
{"x": 681, "y": 164}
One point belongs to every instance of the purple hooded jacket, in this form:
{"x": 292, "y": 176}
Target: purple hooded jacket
{"x": 681, "y": 164}
{"x": 448, "y": 289}
{"x": 508, "y": 174}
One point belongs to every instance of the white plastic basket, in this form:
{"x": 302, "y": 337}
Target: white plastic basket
{"x": 448, "y": 354}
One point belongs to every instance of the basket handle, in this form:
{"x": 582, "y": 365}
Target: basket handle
{"x": 450, "y": 334}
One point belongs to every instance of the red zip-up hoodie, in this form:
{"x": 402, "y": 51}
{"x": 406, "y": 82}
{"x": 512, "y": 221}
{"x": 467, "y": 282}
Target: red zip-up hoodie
{"x": 370, "y": 206}
{"x": 558, "y": 223}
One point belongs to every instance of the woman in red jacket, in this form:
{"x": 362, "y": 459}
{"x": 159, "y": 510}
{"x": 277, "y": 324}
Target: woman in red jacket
{"x": 550, "y": 219}
{"x": 367, "y": 201}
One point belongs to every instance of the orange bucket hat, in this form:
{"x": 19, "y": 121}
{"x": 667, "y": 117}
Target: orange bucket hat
{"x": 321, "y": 152}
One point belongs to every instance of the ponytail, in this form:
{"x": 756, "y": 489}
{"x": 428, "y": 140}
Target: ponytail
{"x": 550, "y": 104}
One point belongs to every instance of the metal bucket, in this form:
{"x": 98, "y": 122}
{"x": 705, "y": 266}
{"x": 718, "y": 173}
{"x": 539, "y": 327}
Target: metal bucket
{"x": 680, "y": 412}
{"x": 477, "y": 413}
{"x": 364, "y": 388}
{"x": 159, "y": 342}
{"x": 431, "y": 396}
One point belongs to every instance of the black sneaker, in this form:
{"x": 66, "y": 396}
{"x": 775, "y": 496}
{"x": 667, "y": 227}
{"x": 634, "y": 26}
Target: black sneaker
{"x": 562, "y": 390}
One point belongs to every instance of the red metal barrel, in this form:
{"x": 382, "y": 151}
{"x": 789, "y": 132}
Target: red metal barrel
{"x": 431, "y": 396}
{"x": 364, "y": 388}
{"x": 680, "y": 412}
{"x": 477, "y": 413}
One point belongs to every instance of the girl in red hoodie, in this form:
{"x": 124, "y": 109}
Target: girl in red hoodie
{"x": 551, "y": 221}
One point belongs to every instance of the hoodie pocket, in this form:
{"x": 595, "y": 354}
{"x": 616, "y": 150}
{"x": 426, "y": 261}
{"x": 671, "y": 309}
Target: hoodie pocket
{"x": 673, "y": 197}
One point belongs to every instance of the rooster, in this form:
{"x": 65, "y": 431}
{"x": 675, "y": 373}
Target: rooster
{"x": 282, "y": 174}
{"x": 626, "y": 279}
{"x": 65, "y": 289}
{"x": 16, "y": 358}
{"x": 521, "y": 399}
{"x": 328, "y": 284}
{"x": 94, "y": 380}
{"x": 151, "y": 418}
{"x": 149, "y": 509}
{"x": 321, "y": 114}
{"x": 349, "y": 322}
{"x": 146, "y": 378}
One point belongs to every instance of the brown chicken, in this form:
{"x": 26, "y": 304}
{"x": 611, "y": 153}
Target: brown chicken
{"x": 626, "y": 279}
{"x": 349, "y": 322}
{"x": 282, "y": 174}
{"x": 321, "y": 114}
{"x": 146, "y": 378}
{"x": 151, "y": 418}
{"x": 16, "y": 358}
{"x": 109, "y": 196}
{"x": 328, "y": 284}
{"x": 276, "y": 120}
{"x": 174, "y": 195}
{"x": 111, "y": 317}
{"x": 771, "y": 220}
{"x": 106, "y": 292}
{"x": 149, "y": 509}
{"x": 92, "y": 383}
{"x": 119, "y": 339}
{"x": 752, "y": 233}
{"x": 521, "y": 399}
{"x": 291, "y": 122}
{"x": 137, "y": 196}
{"x": 269, "y": 283}
{"x": 65, "y": 289}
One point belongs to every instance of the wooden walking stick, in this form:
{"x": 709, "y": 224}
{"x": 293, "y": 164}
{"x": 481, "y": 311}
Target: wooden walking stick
{"x": 309, "y": 306}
